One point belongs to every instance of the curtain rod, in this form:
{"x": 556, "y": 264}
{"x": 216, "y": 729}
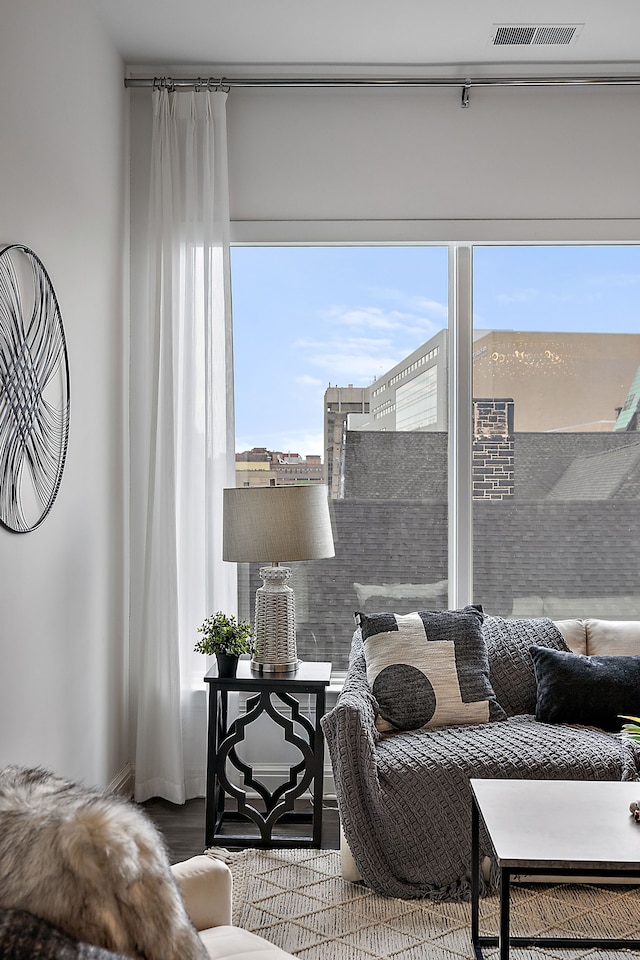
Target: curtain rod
{"x": 184, "y": 83}
{"x": 227, "y": 83}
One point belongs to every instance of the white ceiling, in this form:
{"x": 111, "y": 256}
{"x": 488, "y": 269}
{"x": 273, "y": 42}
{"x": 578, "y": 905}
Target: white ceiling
{"x": 306, "y": 35}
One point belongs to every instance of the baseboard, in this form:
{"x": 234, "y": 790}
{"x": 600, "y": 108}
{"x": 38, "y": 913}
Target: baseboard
{"x": 122, "y": 783}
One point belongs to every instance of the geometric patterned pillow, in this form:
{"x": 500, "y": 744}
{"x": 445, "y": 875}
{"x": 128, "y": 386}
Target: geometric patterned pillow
{"x": 429, "y": 668}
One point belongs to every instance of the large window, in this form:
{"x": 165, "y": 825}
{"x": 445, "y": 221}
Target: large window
{"x": 331, "y": 345}
{"x": 345, "y": 358}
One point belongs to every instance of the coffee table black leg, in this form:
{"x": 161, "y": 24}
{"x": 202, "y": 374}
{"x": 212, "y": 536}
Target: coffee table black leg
{"x": 475, "y": 879}
{"x": 505, "y": 897}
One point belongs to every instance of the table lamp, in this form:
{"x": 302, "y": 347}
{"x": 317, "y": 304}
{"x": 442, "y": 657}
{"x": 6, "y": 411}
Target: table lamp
{"x": 275, "y": 524}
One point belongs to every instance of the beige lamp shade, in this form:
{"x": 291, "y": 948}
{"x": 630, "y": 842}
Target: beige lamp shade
{"x": 277, "y": 523}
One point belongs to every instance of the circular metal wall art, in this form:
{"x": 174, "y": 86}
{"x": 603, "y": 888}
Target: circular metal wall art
{"x": 34, "y": 391}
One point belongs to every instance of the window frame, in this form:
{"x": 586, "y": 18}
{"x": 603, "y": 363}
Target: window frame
{"x": 460, "y": 238}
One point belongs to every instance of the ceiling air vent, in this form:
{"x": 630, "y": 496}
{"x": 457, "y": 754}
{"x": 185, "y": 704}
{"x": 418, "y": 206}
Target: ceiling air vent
{"x": 532, "y": 35}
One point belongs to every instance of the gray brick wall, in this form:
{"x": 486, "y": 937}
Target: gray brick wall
{"x": 493, "y": 475}
{"x": 493, "y": 470}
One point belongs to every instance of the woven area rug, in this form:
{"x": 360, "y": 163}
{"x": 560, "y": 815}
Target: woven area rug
{"x": 298, "y": 900}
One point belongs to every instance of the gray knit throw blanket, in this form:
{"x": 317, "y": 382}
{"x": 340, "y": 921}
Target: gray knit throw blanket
{"x": 404, "y": 798}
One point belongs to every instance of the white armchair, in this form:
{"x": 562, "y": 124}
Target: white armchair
{"x": 79, "y": 866}
{"x": 206, "y": 886}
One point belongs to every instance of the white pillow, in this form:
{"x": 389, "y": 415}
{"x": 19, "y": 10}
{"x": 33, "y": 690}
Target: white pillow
{"x": 613, "y": 638}
{"x": 575, "y": 633}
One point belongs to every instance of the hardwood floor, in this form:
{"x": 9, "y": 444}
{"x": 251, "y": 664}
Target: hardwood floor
{"x": 183, "y": 826}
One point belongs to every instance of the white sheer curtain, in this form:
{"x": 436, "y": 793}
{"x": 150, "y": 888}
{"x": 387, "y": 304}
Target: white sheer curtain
{"x": 190, "y": 442}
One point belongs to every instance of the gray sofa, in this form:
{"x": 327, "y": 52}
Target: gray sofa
{"x": 404, "y": 797}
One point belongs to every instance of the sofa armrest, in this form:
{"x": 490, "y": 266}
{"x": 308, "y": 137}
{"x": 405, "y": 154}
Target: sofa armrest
{"x": 352, "y": 737}
{"x": 206, "y": 889}
{"x": 349, "y": 728}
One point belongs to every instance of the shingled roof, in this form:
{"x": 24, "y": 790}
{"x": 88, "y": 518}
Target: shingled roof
{"x": 533, "y": 553}
{"x": 604, "y": 476}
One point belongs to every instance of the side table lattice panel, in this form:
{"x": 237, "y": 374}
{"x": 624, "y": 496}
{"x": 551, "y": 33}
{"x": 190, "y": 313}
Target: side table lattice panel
{"x": 253, "y": 802}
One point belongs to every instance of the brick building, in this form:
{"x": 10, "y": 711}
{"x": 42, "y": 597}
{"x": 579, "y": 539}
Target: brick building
{"x": 259, "y": 466}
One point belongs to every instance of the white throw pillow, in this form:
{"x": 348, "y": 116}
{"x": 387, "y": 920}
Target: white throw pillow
{"x": 613, "y": 638}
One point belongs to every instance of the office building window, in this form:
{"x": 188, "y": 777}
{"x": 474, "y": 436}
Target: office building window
{"x": 417, "y": 402}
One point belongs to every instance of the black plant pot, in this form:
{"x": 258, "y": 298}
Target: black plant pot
{"x": 227, "y": 664}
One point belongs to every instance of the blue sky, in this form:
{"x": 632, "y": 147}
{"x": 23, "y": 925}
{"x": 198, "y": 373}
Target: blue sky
{"x": 305, "y": 317}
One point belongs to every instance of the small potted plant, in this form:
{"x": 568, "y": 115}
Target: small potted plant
{"x": 631, "y": 730}
{"x": 227, "y": 638}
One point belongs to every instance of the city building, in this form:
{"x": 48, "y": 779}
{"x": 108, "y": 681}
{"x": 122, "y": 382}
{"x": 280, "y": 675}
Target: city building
{"x": 574, "y": 382}
{"x": 628, "y": 420}
{"x": 339, "y": 403}
{"x": 543, "y": 372}
{"x": 413, "y": 394}
{"x": 258, "y": 467}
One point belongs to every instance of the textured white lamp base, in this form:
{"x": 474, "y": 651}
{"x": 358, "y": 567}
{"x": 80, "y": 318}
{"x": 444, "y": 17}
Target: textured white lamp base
{"x": 275, "y": 623}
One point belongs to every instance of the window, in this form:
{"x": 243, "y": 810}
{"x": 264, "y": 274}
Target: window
{"x": 521, "y": 496}
{"x": 325, "y": 340}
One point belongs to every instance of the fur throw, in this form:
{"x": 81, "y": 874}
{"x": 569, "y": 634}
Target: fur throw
{"x": 91, "y": 864}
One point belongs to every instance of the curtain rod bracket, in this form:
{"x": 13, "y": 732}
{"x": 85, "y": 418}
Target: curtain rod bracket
{"x": 464, "y": 100}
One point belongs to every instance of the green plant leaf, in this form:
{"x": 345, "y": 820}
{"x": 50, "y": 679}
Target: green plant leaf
{"x": 224, "y": 634}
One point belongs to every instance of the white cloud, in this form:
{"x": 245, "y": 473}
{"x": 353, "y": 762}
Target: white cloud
{"x": 355, "y": 360}
{"x": 414, "y": 304}
{"x": 370, "y": 318}
{"x": 307, "y": 381}
{"x": 421, "y": 322}
{"x": 369, "y": 340}
{"x": 432, "y": 306}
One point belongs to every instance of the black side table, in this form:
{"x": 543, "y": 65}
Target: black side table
{"x": 224, "y": 737}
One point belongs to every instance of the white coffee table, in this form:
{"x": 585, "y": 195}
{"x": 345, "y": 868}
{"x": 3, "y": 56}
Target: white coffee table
{"x": 555, "y": 828}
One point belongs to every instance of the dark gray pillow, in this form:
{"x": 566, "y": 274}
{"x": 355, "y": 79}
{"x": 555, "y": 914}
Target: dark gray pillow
{"x": 511, "y": 669}
{"x": 428, "y": 668}
{"x": 592, "y": 691}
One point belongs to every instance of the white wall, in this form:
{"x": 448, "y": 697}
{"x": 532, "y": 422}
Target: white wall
{"x": 420, "y": 166}
{"x": 63, "y": 594}
{"x": 409, "y": 164}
